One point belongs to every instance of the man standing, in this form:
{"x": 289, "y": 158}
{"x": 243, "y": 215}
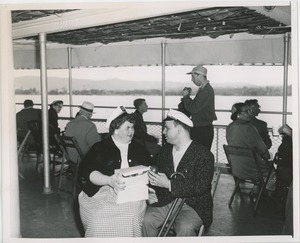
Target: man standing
{"x": 261, "y": 126}
{"x": 185, "y": 169}
{"x": 202, "y": 107}
{"x": 83, "y": 129}
{"x": 22, "y": 117}
{"x": 54, "y": 109}
{"x": 140, "y": 128}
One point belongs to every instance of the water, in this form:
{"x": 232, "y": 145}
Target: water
{"x": 267, "y": 103}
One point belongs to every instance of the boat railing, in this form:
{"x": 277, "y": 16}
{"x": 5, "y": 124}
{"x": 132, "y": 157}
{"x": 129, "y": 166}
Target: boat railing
{"x": 155, "y": 128}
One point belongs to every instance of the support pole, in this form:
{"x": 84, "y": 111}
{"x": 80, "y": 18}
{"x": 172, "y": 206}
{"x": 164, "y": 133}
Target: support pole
{"x": 10, "y": 202}
{"x": 285, "y": 76}
{"x": 70, "y": 80}
{"x": 163, "y": 83}
{"x": 45, "y": 119}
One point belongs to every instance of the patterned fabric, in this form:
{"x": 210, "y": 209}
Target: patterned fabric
{"x": 102, "y": 217}
{"x": 197, "y": 165}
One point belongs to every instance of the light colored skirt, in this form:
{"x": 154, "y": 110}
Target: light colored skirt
{"x": 101, "y": 216}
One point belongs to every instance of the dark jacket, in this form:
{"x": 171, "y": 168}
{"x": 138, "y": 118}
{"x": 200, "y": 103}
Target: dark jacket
{"x": 140, "y": 129}
{"x": 263, "y": 131}
{"x": 197, "y": 165}
{"x": 105, "y": 157}
{"x": 202, "y": 107}
{"x": 53, "y": 121}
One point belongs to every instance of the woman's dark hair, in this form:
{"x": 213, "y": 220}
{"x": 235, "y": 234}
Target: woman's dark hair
{"x": 237, "y": 109}
{"x": 117, "y": 122}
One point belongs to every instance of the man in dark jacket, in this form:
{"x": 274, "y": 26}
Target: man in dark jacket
{"x": 202, "y": 107}
{"x": 54, "y": 109}
{"x": 185, "y": 169}
{"x": 140, "y": 129}
{"x": 23, "y": 116}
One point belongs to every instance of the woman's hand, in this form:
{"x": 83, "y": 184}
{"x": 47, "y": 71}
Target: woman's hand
{"x": 117, "y": 183}
{"x": 159, "y": 179}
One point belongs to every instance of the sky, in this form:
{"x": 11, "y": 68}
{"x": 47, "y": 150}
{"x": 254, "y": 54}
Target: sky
{"x": 256, "y": 75}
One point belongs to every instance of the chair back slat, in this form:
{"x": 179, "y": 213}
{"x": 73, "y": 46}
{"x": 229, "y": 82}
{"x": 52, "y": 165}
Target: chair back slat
{"x": 66, "y": 143}
{"x": 243, "y": 162}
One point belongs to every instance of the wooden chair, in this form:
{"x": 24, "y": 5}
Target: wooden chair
{"x": 69, "y": 168}
{"x": 245, "y": 168}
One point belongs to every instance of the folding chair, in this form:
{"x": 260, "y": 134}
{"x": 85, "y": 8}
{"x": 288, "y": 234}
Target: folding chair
{"x": 69, "y": 169}
{"x": 166, "y": 228}
{"x": 245, "y": 168}
{"x": 35, "y": 128}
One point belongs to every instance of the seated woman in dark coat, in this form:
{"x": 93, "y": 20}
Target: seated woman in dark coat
{"x": 100, "y": 214}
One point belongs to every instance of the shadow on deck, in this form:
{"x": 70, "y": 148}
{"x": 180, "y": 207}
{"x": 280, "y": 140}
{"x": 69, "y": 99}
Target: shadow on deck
{"x": 56, "y": 215}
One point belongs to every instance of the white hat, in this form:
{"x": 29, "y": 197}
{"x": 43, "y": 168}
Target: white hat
{"x": 56, "y": 102}
{"x": 199, "y": 69}
{"x": 116, "y": 113}
{"x": 87, "y": 106}
{"x": 179, "y": 116}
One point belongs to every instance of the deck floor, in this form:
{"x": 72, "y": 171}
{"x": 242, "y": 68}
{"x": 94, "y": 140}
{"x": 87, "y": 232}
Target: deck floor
{"x": 56, "y": 215}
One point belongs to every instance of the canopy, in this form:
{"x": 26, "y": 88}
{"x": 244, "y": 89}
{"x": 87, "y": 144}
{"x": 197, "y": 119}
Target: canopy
{"x": 114, "y": 36}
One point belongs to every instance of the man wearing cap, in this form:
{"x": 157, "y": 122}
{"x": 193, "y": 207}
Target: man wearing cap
{"x": 53, "y": 111}
{"x": 185, "y": 170}
{"x": 83, "y": 129}
{"x": 202, "y": 107}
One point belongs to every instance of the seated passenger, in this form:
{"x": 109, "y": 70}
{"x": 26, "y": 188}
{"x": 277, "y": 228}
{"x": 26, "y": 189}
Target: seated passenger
{"x": 182, "y": 156}
{"x": 140, "y": 134}
{"x": 22, "y": 117}
{"x": 242, "y": 133}
{"x": 53, "y": 111}
{"x": 261, "y": 126}
{"x": 83, "y": 129}
{"x": 100, "y": 214}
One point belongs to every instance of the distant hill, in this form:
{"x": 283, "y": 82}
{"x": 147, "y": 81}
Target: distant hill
{"x": 31, "y": 82}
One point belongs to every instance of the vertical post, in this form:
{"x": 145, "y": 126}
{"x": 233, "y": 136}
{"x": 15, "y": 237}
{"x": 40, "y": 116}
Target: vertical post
{"x": 10, "y": 209}
{"x": 285, "y": 76}
{"x": 70, "y": 80}
{"x": 45, "y": 119}
{"x": 163, "y": 80}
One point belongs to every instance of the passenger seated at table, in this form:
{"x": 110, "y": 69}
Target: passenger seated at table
{"x": 83, "y": 129}
{"x": 100, "y": 214}
{"x": 182, "y": 156}
{"x": 242, "y": 133}
{"x": 260, "y": 125}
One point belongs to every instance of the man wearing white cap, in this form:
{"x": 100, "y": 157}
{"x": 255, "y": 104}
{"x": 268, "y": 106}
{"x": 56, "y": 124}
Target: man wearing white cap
{"x": 83, "y": 129}
{"x": 185, "y": 169}
{"x": 202, "y": 107}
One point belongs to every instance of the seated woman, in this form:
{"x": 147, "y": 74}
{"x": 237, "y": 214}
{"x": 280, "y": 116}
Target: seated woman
{"x": 100, "y": 214}
{"x": 242, "y": 133}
